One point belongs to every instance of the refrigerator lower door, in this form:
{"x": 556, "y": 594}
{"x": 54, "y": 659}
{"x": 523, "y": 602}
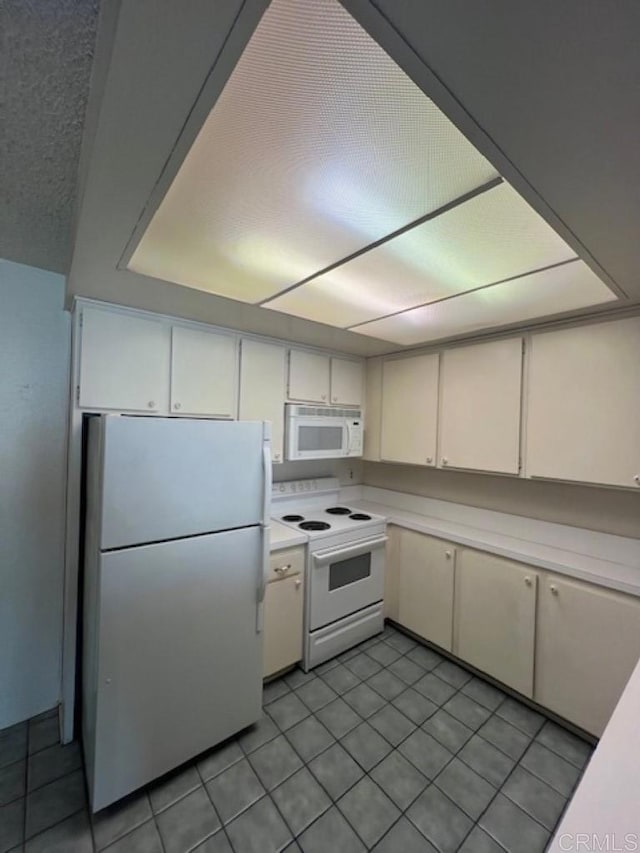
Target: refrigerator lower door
{"x": 178, "y": 662}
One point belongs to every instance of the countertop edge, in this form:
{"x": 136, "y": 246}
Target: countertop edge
{"x": 616, "y": 576}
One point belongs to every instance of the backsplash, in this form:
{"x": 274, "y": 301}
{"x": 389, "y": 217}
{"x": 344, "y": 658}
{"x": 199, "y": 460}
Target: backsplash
{"x": 348, "y": 471}
{"x": 607, "y": 510}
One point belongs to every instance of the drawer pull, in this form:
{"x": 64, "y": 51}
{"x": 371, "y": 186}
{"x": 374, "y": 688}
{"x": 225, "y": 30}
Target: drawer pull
{"x": 528, "y": 581}
{"x": 298, "y": 583}
{"x": 448, "y": 554}
{"x": 554, "y": 589}
{"x": 282, "y": 570}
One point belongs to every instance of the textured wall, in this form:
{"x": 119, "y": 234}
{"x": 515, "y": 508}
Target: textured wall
{"x": 34, "y": 362}
{"x": 46, "y": 47}
{"x": 608, "y": 510}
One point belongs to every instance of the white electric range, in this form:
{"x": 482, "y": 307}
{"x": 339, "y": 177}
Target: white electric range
{"x": 344, "y": 569}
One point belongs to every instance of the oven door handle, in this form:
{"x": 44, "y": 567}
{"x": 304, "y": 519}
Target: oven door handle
{"x": 321, "y": 558}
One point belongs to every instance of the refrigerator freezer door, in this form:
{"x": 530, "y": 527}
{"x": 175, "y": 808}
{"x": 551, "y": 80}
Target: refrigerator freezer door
{"x": 178, "y": 660}
{"x": 166, "y": 478}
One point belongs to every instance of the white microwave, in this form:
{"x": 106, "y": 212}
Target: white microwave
{"x": 322, "y": 432}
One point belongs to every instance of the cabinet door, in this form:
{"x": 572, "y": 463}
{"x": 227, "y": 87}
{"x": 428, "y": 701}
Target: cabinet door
{"x": 425, "y": 599}
{"x": 204, "y": 373}
{"x": 262, "y": 381}
{"x": 480, "y": 406}
{"x": 583, "y": 412}
{"x": 392, "y": 573}
{"x": 373, "y": 409}
{"x": 495, "y": 617}
{"x": 124, "y": 362}
{"x": 346, "y": 382}
{"x": 409, "y": 409}
{"x": 309, "y": 374}
{"x": 588, "y": 644}
{"x": 283, "y": 607}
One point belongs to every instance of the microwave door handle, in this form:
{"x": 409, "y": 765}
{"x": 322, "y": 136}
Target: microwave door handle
{"x": 349, "y": 437}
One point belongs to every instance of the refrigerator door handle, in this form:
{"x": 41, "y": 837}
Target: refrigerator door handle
{"x": 267, "y": 485}
{"x": 262, "y": 577}
{"x": 263, "y": 568}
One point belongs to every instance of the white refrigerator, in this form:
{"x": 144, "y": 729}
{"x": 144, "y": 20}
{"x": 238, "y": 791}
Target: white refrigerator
{"x": 176, "y": 548}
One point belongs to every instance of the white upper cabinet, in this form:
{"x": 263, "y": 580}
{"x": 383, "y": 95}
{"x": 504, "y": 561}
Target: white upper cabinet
{"x": 309, "y": 376}
{"x": 583, "y": 414}
{"x": 480, "y": 401}
{"x": 124, "y": 362}
{"x": 410, "y": 409}
{"x": 204, "y": 373}
{"x": 373, "y": 409}
{"x": 262, "y": 389}
{"x": 347, "y": 382}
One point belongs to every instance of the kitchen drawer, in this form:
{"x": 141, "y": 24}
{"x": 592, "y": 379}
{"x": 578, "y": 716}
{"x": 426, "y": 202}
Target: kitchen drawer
{"x": 285, "y": 563}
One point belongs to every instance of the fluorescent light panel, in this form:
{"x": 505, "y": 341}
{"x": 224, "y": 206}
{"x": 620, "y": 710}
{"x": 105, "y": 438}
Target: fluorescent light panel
{"x": 491, "y": 237}
{"x": 552, "y": 291}
{"x": 318, "y": 146}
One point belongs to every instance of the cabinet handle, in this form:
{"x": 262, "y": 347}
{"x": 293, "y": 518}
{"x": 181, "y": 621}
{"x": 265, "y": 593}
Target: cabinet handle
{"x": 282, "y": 570}
{"x": 298, "y": 583}
{"x": 448, "y": 554}
{"x": 177, "y": 406}
{"x": 429, "y": 460}
{"x": 151, "y": 404}
{"x": 554, "y": 589}
{"x": 323, "y": 396}
{"x": 636, "y": 479}
{"x": 445, "y": 461}
{"x": 528, "y": 581}
{"x": 335, "y": 399}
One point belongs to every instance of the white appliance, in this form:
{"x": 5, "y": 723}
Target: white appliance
{"x": 345, "y": 566}
{"x": 176, "y": 547}
{"x": 322, "y": 432}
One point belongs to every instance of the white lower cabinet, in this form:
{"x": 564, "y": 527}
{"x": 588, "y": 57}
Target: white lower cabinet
{"x": 588, "y": 642}
{"x": 283, "y": 610}
{"x": 425, "y": 586}
{"x": 495, "y": 617}
{"x": 569, "y": 645}
{"x": 392, "y": 572}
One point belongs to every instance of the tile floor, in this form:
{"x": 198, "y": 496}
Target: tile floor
{"x": 388, "y": 748}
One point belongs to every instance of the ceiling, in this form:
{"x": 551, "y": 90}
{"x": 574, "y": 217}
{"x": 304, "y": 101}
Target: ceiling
{"x": 325, "y": 184}
{"x": 46, "y": 50}
{"x": 162, "y": 83}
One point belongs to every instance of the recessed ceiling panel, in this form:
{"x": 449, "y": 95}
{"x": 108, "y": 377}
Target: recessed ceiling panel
{"x": 494, "y": 236}
{"x": 318, "y": 145}
{"x": 564, "y": 288}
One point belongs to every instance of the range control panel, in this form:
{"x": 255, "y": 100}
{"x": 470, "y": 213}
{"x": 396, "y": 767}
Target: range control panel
{"x": 290, "y": 488}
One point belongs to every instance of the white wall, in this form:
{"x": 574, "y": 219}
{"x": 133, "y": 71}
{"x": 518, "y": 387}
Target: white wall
{"x": 607, "y": 510}
{"x": 34, "y": 365}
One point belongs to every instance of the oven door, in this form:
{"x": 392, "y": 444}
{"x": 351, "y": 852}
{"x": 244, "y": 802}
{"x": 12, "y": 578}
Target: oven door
{"x": 317, "y": 438}
{"x": 346, "y": 579}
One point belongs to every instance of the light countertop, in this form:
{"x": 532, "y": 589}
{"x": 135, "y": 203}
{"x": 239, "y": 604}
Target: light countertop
{"x": 600, "y": 558}
{"x": 285, "y": 537}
